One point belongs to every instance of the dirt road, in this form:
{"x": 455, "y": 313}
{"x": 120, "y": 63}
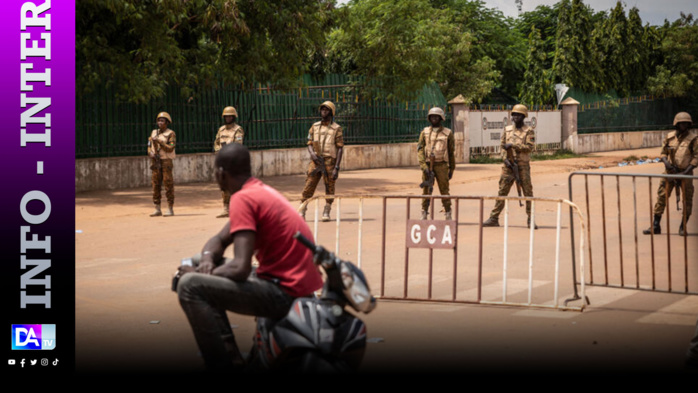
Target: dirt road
{"x": 129, "y": 320}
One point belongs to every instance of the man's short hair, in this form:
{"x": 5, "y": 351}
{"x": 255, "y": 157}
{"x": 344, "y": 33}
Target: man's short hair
{"x": 234, "y": 158}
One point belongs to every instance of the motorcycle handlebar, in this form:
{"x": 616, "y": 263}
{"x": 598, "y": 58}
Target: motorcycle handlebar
{"x": 304, "y": 240}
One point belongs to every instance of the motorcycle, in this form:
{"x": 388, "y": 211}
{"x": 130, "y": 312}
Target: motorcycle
{"x": 318, "y": 335}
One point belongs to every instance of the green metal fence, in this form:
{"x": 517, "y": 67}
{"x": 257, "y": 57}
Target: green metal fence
{"x": 608, "y": 113}
{"x": 271, "y": 118}
{"x": 634, "y": 114}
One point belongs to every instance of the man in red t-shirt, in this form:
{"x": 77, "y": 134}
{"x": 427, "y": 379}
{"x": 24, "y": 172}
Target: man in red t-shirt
{"x": 262, "y": 223}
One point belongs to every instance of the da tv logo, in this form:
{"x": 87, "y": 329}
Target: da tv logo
{"x": 33, "y": 337}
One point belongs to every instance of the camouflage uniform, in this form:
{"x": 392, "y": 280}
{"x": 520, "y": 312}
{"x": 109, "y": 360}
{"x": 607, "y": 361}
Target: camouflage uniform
{"x": 523, "y": 141}
{"x": 163, "y": 176}
{"x": 442, "y": 143}
{"x": 228, "y": 133}
{"x": 680, "y": 152}
{"x": 326, "y": 139}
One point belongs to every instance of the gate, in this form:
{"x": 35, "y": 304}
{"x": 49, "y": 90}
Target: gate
{"x": 465, "y": 263}
{"x": 663, "y": 262}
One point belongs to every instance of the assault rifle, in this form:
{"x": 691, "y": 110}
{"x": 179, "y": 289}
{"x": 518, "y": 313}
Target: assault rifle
{"x": 429, "y": 181}
{"x": 510, "y": 162}
{"x": 320, "y": 168}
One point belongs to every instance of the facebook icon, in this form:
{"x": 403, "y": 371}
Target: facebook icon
{"x": 33, "y": 337}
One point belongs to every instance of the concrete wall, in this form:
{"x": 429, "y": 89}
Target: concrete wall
{"x": 128, "y": 172}
{"x": 590, "y": 143}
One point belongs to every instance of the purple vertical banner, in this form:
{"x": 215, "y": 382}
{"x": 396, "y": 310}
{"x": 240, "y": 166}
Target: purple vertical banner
{"x": 37, "y": 149}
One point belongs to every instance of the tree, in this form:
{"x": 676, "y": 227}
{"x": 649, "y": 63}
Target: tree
{"x": 399, "y": 46}
{"x": 574, "y": 63}
{"x": 537, "y": 87}
{"x": 617, "y": 53}
{"x": 395, "y": 45}
{"x": 678, "y": 67}
{"x": 544, "y": 20}
{"x": 494, "y": 40}
{"x": 638, "y": 53}
{"x": 140, "y": 47}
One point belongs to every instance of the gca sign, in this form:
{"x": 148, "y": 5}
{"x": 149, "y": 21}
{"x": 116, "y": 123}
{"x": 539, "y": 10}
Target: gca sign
{"x": 431, "y": 234}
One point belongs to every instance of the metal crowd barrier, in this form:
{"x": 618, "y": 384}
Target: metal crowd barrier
{"x": 456, "y": 202}
{"x": 627, "y": 274}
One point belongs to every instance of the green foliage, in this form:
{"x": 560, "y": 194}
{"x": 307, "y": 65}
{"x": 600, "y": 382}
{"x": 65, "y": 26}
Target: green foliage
{"x": 576, "y": 63}
{"x": 139, "y": 47}
{"x": 544, "y": 20}
{"x": 399, "y": 46}
{"x": 678, "y": 69}
{"x": 560, "y": 154}
{"x": 494, "y": 41}
{"x": 393, "y": 44}
{"x": 538, "y": 87}
{"x": 612, "y": 46}
{"x": 484, "y": 159}
{"x": 670, "y": 84}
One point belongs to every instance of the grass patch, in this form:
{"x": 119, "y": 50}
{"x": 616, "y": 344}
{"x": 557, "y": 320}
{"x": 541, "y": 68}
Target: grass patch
{"x": 556, "y": 155}
{"x": 486, "y": 159}
{"x": 631, "y": 158}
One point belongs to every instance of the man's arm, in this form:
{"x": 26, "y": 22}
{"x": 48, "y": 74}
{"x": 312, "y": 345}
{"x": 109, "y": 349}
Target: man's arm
{"x": 421, "y": 156}
{"x": 240, "y": 267}
{"x": 664, "y": 153}
{"x": 213, "y": 250}
{"x": 503, "y": 145}
{"x": 335, "y": 172}
{"x": 694, "y": 156}
{"x": 451, "y": 154}
{"x": 217, "y": 142}
{"x": 339, "y": 144}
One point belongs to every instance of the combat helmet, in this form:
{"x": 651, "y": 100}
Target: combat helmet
{"x": 229, "y": 111}
{"x": 682, "y": 117}
{"x": 520, "y": 108}
{"x": 165, "y": 115}
{"x": 436, "y": 111}
{"x": 328, "y": 104}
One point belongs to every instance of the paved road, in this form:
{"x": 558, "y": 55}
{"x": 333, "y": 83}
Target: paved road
{"x": 128, "y": 319}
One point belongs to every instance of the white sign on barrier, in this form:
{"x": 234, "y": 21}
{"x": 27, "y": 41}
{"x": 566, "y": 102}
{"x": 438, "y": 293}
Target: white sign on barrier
{"x": 431, "y": 234}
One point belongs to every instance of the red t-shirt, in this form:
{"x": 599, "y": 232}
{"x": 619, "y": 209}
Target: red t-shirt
{"x": 262, "y": 209}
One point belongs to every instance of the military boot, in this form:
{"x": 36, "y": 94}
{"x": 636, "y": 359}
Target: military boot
{"x": 224, "y": 213}
{"x": 425, "y": 215}
{"x": 447, "y": 215}
{"x": 681, "y": 228}
{"x": 326, "y": 213}
{"x": 169, "y": 211}
{"x": 157, "y": 212}
{"x": 491, "y": 222}
{"x": 655, "y": 226}
{"x": 528, "y": 224}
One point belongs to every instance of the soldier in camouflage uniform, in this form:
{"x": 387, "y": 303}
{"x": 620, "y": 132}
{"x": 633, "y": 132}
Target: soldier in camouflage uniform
{"x": 438, "y": 141}
{"x": 325, "y": 146}
{"x": 522, "y": 140}
{"x": 161, "y": 150}
{"x": 680, "y": 156}
{"x": 230, "y": 132}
